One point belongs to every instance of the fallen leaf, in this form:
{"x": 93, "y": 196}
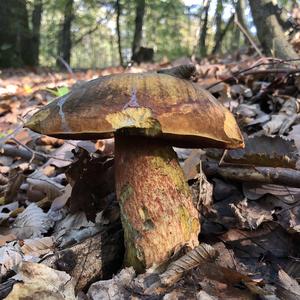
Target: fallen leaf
{"x": 32, "y": 222}
{"x": 113, "y": 289}
{"x": 250, "y": 215}
{"x": 39, "y": 282}
{"x": 287, "y": 287}
{"x": 37, "y": 246}
{"x": 10, "y": 257}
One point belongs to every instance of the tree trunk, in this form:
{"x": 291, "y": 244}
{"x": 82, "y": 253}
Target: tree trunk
{"x": 269, "y": 31}
{"x": 219, "y": 11}
{"x": 204, "y": 21}
{"x": 65, "y": 43}
{"x": 219, "y": 41}
{"x": 36, "y": 26}
{"x": 138, "y": 33}
{"x": 239, "y": 10}
{"x": 15, "y": 37}
{"x": 118, "y": 10}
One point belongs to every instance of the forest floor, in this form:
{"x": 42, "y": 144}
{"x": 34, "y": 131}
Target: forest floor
{"x": 59, "y": 219}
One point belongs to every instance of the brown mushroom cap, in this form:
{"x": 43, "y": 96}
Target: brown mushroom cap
{"x": 156, "y": 105}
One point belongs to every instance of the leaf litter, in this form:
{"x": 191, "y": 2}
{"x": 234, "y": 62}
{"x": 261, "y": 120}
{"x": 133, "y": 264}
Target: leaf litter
{"x": 60, "y": 230}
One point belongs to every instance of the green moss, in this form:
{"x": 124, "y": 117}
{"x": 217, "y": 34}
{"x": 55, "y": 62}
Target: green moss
{"x": 133, "y": 256}
{"x": 126, "y": 192}
{"x": 187, "y": 222}
{"x": 166, "y": 161}
{"x": 148, "y": 223}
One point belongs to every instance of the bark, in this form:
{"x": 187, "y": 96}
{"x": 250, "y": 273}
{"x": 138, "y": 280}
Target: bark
{"x": 97, "y": 257}
{"x": 118, "y": 9}
{"x": 219, "y": 41}
{"x": 280, "y": 176}
{"x": 239, "y": 10}
{"x": 15, "y": 37}
{"x": 138, "y": 32}
{"x": 157, "y": 211}
{"x": 65, "y": 42}
{"x": 269, "y": 31}
{"x": 36, "y": 26}
{"x": 219, "y": 11}
{"x": 204, "y": 21}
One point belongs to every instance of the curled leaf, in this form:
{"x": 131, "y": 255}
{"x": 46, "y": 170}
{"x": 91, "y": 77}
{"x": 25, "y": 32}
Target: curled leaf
{"x": 32, "y": 222}
{"x": 41, "y": 282}
{"x": 202, "y": 253}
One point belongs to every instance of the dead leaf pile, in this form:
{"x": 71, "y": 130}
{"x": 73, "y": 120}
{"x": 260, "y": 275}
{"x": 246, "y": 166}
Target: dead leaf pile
{"x": 60, "y": 230}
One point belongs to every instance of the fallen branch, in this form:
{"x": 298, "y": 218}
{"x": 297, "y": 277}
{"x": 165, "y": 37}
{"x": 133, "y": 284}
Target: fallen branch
{"x": 95, "y": 258}
{"x": 26, "y": 154}
{"x": 280, "y": 176}
{"x": 266, "y": 71}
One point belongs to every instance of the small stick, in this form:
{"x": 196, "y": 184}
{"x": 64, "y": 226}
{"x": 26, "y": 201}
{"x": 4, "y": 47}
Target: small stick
{"x": 246, "y": 173}
{"x": 289, "y": 71}
{"x": 236, "y": 21}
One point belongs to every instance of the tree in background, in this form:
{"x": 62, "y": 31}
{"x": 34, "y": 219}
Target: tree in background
{"x": 64, "y": 40}
{"x": 101, "y": 33}
{"x": 18, "y": 44}
{"x": 138, "y": 31}
{"x": 269, "y": 30}
{"x": 36, "y": 19}
{"x": 203, "y": 28}
{"x": 219, "y": 12}
{"x": 118, "y": 11}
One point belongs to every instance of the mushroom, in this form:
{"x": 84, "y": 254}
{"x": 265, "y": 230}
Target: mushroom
{"x": 147, "y": 114}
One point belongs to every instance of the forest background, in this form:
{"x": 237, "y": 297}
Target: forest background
{"x": 96, "y": 33}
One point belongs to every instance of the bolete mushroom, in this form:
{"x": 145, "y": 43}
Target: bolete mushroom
{"x": 147, "y": 114}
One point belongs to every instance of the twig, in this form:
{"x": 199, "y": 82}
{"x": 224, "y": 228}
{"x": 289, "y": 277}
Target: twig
{"x": 289, "y": 71}
{"x": 280, "y": 176}
{"x": 223, "y": 157}
{"x": 27, "y": 153}
{"x": 67, "y": 66}
{"x": 272, "y": 71}
{"x": 236, "y": 21}
{"x": 13, "y": 151}
{"x": 10, "y": 135}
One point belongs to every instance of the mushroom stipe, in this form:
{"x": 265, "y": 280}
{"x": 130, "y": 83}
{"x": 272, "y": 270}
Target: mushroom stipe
{"x": 157, "y": 210}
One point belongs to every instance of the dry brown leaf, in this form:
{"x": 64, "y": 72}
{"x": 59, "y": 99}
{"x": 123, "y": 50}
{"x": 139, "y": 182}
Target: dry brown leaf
{"x": 282, "y": 121}
{"x": 287, "y": 287}
{"x": 249, "y": 215}
{"x": 6, "y": 210}
{"x": 74, "y": 228}
{"x": 47, "y": 185}
{"x": 288, "y": 195}
{"x": 10, "y": 257}
{"x": 7, "y": 238}
{"x": 262, "y": 151}
{"x": 32, "y": 222}
{"x": 113, "y": 289}
{"x": 38, "y": 282}
{"x": 61, "y": 200}
{"x": 37, "y": 247}
{"x": 202, "y": 253}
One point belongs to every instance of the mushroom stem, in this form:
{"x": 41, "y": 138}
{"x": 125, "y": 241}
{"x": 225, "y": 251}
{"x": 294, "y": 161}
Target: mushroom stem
{"x": 157, "y": 211}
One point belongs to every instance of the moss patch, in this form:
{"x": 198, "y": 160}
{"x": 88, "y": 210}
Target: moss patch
{"x": 187, "y": 222}
{"x": 134, "y": 255}
{"x": 166, "y": 162}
